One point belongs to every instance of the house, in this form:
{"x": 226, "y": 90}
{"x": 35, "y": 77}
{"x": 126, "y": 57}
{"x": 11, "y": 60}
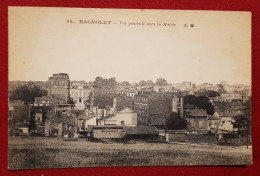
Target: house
{"x": 22, "y": 126}
{"x": 37, "y": 119}
{"x": 61, "y": 122}
{"x": 155, "y": 108}
{"x": 19, "y": 114}
{"x": 122, "y": 116}
{"x": 213, "y": 122}
{"x": 44, "y": 101}
{"x": 11, "y": 108}
{"x": 226, "y": 119}
{"x": 84, "y": 119}
{"x": 197, "y": 119}
{"x": 80, "y": 92}
{"x": 224, "y": 106}
{"x": 228, "y": 97}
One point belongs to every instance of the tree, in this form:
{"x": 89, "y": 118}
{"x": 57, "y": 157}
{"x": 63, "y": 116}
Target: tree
{"x": 242, "y": 123}
{"x": 27, "y": 93}
{"x": 175, "y": 122}
{"x": 72, "y": 102}
{"x": 201, "y": 102}
{"x": 149, "y": 83}
{"x": 161, "y": 82}
{"x": 125, "y": 83}
{"x": 142, "y": 83}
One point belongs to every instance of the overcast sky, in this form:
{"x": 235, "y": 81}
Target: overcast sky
{"x": 42, "y": 43}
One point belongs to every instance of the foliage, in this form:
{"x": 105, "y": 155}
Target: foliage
{"x": 201, "y": 102}
{"x": 72, "y": 102}
{"x": 27, "y": 93}
{"x": 125, "y": 83}
{"x": 242, "y": 122}
{"x": 248, "y": 108}
{"x": 145, "y": 83}
{"x": 161, "y": 82}
{"x": 175, "y": 122}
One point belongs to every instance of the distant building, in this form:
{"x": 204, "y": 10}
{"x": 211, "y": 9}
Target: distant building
{"x": 213, "y": 122}
{"x": 59, "y": 87}
{"x": 168, "y": 88}
{"x": 228, "y": 97}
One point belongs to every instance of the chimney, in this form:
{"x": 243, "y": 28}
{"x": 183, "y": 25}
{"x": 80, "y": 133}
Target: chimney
{"x": 114, "y": 103}
{"x": 174, "y": 104}
{"x": 181, "y": 106}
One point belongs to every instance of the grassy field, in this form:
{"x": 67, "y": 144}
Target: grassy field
{"x": 43, "y": 152}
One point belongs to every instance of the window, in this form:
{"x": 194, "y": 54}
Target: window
{"x": 122, "y": 122}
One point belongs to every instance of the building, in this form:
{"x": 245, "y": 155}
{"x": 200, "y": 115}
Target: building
{"x": 81, "y": 93}
{"x": 154, "y": 108}
{"x": 213, "y": 122}
{"x": 122, "y": 116}
{"x": 226, "y": 119}
{"x": 228, "y": 97}
{"x": 59, "y": 87}
{"x": 61, "y": 122}
{"x": 197, "y": 119}
{"x": 45, "y": 101}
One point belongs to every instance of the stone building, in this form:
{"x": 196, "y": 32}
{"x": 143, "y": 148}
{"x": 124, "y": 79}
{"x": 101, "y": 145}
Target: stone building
{"x": 61, "y": 122}
{"x": 59, "y": 86}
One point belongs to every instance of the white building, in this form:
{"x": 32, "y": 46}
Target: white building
{"x": 80, "y": 92}
{"x": 124, "y": 116}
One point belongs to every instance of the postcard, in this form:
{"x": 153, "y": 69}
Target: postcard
{"x": 128, "y": 87}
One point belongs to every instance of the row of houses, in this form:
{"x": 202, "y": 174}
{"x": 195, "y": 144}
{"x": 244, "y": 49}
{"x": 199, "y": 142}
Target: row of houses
{"x": 55, "y": 116}
{"x": 62, "y": 120}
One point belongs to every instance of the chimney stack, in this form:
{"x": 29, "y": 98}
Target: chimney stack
{"x": 174, "y": 104}
{"x": 114, "y": 103}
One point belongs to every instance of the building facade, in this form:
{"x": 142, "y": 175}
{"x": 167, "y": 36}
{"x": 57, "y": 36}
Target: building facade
{"x": 59, "y": 87}
{"x": 80, "y": 92}
{"x": 154, "y": 108}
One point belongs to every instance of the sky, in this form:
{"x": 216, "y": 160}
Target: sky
{"x": 217, "y": 48}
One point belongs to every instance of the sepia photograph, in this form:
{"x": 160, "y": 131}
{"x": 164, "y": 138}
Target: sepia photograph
{"x": 91, "y": 87}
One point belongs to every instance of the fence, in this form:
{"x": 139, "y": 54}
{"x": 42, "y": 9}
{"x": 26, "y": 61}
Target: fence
{"x": 236, "y": 140}
{"x": 192, "y": 138}
{"x": 223, "y": 139}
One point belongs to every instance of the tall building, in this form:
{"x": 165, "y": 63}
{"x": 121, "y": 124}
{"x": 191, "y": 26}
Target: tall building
{"x": 59, "y": 86}
{"x": 154, "y": 108}
{"x": 80, "y": 92}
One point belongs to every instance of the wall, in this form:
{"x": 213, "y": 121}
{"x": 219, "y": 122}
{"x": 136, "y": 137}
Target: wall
{"x": 198, "y": 123}
{"x": 108, "y": 133}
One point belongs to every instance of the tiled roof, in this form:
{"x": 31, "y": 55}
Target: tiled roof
{"x": 228, "y": 113}
{"x": 198, "y": 113}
